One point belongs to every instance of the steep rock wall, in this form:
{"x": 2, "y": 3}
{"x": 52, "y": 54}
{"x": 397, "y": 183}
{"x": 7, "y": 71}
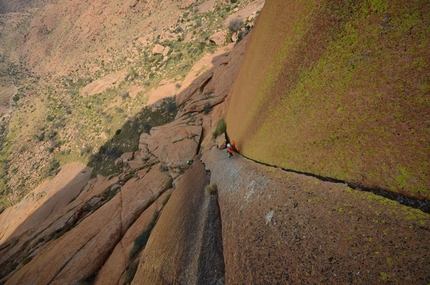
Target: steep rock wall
{"x": 338, "y": 90}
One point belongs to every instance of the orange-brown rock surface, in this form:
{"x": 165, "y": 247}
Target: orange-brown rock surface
{"x": 185, "y": 245}
{"x": 121, "y": 258}
{"x": 329, "y": 90}
{"x": 173, "y": 144}
{"x": 301, "y": 84}
{"x": 80, "y": 252}
{"x": 280, "y": 227}
{"x": 47, "y": 199}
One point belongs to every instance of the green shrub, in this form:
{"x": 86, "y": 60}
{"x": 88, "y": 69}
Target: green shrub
{"x": 207, "y": 108}
{"x": 211, "y": 189}
{"x": 220, "y": 128}
{"x": 168, "y": 184}
{"x": 235, "y": 24}
{"x": 166, "y": 200}
{"x": 142, "y": 239}
{"x": 131, "y": 271}
{"x": 26, "y": 260}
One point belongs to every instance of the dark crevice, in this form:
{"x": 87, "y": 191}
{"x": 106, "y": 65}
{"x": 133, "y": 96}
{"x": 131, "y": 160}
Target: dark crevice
{"x": 211, "y": 247}
{"x": 421, "y": 204}
{"x": 199, "y": 144}
{"x": 67, "y": 262}
{"x": 202, "y": 87}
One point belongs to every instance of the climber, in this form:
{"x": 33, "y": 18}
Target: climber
{"x": 231, "y": 148}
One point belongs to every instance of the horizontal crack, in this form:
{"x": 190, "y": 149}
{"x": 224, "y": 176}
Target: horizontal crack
{"x": 421, "y": 204}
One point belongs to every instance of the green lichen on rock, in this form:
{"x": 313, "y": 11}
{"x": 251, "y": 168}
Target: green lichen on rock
{"x": 342, "y": 94}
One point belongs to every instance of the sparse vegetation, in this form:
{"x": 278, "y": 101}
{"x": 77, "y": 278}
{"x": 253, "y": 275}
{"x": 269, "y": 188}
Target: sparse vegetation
{"x": 142, "y": 239}
{"x": 26, "y": 260}
{"x": 235, "y": 24}
{"x": 67, "y": 125}
{"x": 168, "y": 184}
{"x": 211, "y": 189}
{"x": 207, "y": 108}
{"x": 220, "y": 128}
{"x": 131, "y": 271}
{"x": 166, "y": 200}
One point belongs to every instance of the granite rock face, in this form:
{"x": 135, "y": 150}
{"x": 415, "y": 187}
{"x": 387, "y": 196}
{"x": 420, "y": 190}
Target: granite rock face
{"x": 185, "y": 246}
{"x": 172, "y": 144}
{"x": 80, "y": 252}
{"x": 293, "y": 228}
{"x": 326, "y": 101}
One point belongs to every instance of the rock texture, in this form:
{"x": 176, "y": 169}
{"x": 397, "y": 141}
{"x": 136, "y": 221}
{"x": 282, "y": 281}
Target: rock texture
{"x": 82, "y": 251}
{"x": 250, "y": 10}
{"x": 100, "y": 85}
{"x": 254, "y": 223}
{"x": 45, "y": 200}
{"x": 328, "y": 101}
{"x": 172, "y": 144}
{"x": 185, "y": 246}
{"x": 120, "y": 260}
{"x": 156, "y": 95}
{"x": 280, "y": 227}
{"x": 211, "y": 87}
{"x": 219, "y": 37}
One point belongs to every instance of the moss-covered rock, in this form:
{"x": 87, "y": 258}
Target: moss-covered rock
{"x": 344, "y": 92}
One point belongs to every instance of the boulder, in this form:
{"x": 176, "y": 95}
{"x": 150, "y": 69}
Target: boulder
{"x": 221, "y": 142}
{"x": 166, "y": 51}
{"x": 219, "y": 37}
{"x": 251, "y": 9}
{"x": 156, "y": 95}
{"x": 158, "y": 49}
{"x": 119, "y": 162}
{"x": 173, "y": 144}
{"x": 133, "y": 3}
{"x": 206, "y": 6}
{"x": 100, "y": 85}
{"x": 186, "y": 3}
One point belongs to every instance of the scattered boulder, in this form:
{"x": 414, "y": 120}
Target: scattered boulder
{"x": 219, "y": 37}
{"x": 119, "y": 162}
{"x": 100, "y": 85}
{"x": 221, "y": 142}
{"x": 158, "y": 49}
{"x": 133, "y": 3}
{"x": 173, "y": 144}
{"x": 206, "y": 6}
{"x": 166, "y": 51}
{"x": 251, "y": 9}
{"x": 156, "y": 96}
{"x": 187, "y": 3}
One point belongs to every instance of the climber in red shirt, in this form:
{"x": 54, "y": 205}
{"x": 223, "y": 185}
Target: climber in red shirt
{"x": 231, "y": 148}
